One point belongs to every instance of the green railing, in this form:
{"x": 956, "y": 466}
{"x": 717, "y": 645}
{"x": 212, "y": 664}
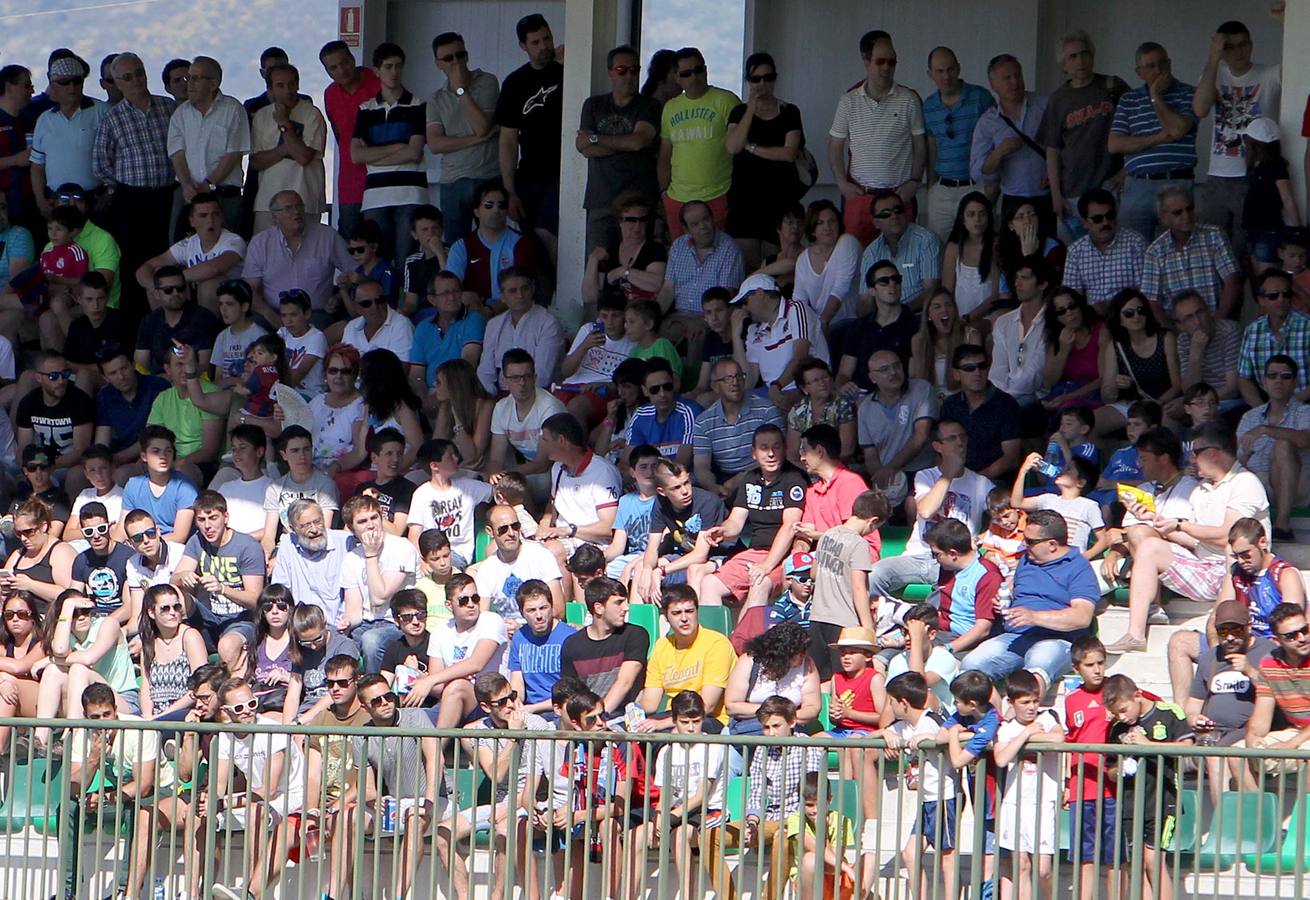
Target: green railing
{"x": 1178, "y": 830}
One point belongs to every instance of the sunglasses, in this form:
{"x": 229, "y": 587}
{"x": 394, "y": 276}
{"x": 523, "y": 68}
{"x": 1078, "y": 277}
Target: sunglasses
{"x": 11, "y": 614}
{"x": 410, "y": 617}
{"x": 366, "y": 303}
{"x": 313, "y": 642}
{"x": 68, "y": 82}
{"x": 57, "y": 376}
{"x": 884, "y": 280}
{"x": 340, "y": 682}
{"x": 495, "y": 204}
{"x": 460, "y": 55}
{"x": 172, "y": 289}
{"x": 660, "y": 388}
{"x": 1061, "y": 310}
{"x": 1132, "y": 312}
{"x": 634, "y": 219}
{"x": 69, "y": 198}
{"x": 27, "y": 532}
{"x": 591, "y": 719}
{"x": 1280, "y": 376}
{"x": 140, "y": 536}
{"x": 81, "y": 612}
{"x": 467, "y": 600}
{"x": 283, "y": 605}
{"x": 357, "y": 251}
{"x": 340, "y": 370}
{"x": 240, "y": 709}
{"x": 169, "y": 608}
{"x": 625, "y": 70}
{"x": 801, "y": 579}
{"x": 1286, "y": 294}
{"x": 507, "y": 699}
{"x": 889, "y": 212}
{"x": 1293, "y": 635}
{"x": 883, "y": 60}
{"x": 767, "y": 78}
{"x": 95, "y": 530}
{"x": 35, "y": 467}
{"x": 971, "y": 367}
{"x": 694, "y": 70}
{"x": 1033, "y": 542}
{"x": 516, "y": 526}
{"x": 1231, "y": 631}
{"x": 389, "y": 698}
{"x": 1102, "y": 217}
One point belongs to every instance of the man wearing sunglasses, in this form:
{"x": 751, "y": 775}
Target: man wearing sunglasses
{"x": 62, "y": 141}
{"x": 880, "y": 123}
{"x": 1107, "y": 259}
{"x": 1279, "y": 329}
{"x": 1273, "y": 441}
{"x": 176, "y": 319}
{"x": 514, "y": 562}
{"x": 378, "y": 326}
{"x": 618, "y": 134}
{"x": 100, "y": 571}
{"x": 38, "y": 481}
{"x": 915, "y": 250}
{"x": 56, "y": 415}
{"x": 460, "y": 128}
{"x": 889, "y": 325}
{"x": 155, "y": 558}
{"x": 481, "y": 257}
{"x": 1189, "y": 256}
{"x": 693, "y": 163}
{"x": 1281, "y": 689}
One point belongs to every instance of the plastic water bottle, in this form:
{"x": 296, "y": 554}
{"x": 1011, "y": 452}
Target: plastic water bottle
{"x": 159, "y": 889}
{"x": 1003, "y": 596}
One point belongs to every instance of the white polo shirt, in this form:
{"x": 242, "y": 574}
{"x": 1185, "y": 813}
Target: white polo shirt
{"x": 770, "y": 345}
{"x": 879, "y": 134}
{"x": 1239, "y": 490}
{"x": 578, "y": 497}
{"x": 396, "y": 335}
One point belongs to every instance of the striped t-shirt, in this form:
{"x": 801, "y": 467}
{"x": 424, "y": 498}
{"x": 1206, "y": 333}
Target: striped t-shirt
{"x": 951, "y": 127}
{"x": 377, "y": 125}
{"x": 1288, "y": 685}
{"x": 1135, "y": 116}
{"x": 879, "y": 132}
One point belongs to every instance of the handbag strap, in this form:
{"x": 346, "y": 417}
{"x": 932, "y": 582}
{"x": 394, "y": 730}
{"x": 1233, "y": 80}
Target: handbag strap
{"x": 1032, "y": 145}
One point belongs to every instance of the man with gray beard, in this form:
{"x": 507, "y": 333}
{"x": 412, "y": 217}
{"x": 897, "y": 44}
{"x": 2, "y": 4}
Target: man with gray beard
{"x": 309, "y": 559}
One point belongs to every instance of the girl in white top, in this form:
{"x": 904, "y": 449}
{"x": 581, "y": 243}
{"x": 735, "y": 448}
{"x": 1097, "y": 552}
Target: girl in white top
{"x": 941, "y": 330}
{"x": 970, "y": 268}
{"x": 827, "y": 270}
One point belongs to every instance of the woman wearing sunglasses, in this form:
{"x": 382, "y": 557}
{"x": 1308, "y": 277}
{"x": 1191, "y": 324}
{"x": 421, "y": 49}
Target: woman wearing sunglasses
{"x": 170, "y": 651}
{"x": 312, "y": 645}
{"x": 271, "y": 660}
{"x": 83, "y": 648}
{"x": 20, "y": 636}
{"x": 337, "y": 413}
{"x": 42, "y": 565}
{"x": 1139, "y": 362}
{"x": 632, "y": 268}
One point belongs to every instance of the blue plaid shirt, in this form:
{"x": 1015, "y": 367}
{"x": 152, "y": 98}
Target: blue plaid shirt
{"x": 918, "y": 257}
{"x": 1100, "y": 275}
{"x": 131, "y": 146}
{"x": 1259, "y": 343}
{"x": 692, "y": 276}
{"x": 1200, "y": 265}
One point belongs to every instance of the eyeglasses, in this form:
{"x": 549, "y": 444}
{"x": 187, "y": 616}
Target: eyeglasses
{"x": 1033, "y": 542}
{"x": 150, "y": 533}
{"x": 950, "y": 125}
{"x": 467, "y": 600}
{"x": 11, "y": 614}
{"x": 340, "y": 370}
{"x": 95, "y": 530}
{"x": 889, "y": 212}
{"x": 507, "y": 699}
{"x": 884, "y": 370}
{"x": 971, "y": 367}
{"x": 635, "y": 219}
{"x": 508, "y": 526}
{"x": 625, "y": 70}
{"x": 410, "y": 617}
{"x": 460, "y": 55}
{"x": 1132, "y": 312}
{"x": 495, "y": 204}
{"x": 283, "y": 605}
{"x": 70, "y": 198}
{"x": 357, "y": 251}
{"x": 724, "y": 379}
{"x": 694, "y": 70}
{"x": 58, "y": 376}
{"x": 1293, "y": 635}
{"x": 1286, "y": 293}
{"x": 340, "y": 682}
{"x": 1103, "y": 217}
{"x": 314, "y": 641}
{"x": 591, "y": 719}
{"x": 172, "y": 288}
{"x": 389, "y": 698}
{"x": 660, "y": 388}
{"x": 169, "y": 608}
{"x": 519, "y": 379}
{"x": 1280, "y": 376}
{"x": 240, "y": 709}
{"x": 767, "y": 78}
{"x": 884, "y": 280}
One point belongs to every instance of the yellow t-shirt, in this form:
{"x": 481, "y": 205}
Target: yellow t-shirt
{"x": 708, "y": 661}
{"x": 701, "y": 166}
{"x": 438, "y": 611}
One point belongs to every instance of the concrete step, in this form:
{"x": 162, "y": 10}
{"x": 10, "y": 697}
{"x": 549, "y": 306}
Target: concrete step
{"x": 1150, "y": 670}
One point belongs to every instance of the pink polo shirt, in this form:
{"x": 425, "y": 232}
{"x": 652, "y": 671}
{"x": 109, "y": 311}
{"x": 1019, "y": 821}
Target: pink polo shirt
{"x": 830, "y": 504}
{"x": 341, "y": 109}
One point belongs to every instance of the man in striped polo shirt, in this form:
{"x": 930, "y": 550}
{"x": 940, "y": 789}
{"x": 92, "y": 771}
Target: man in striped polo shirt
{"x": 880, "y": 123}
{"x": 1283, "y": 686}
{"x": 1155, "y": 130}
{"x": 390, "y": 131}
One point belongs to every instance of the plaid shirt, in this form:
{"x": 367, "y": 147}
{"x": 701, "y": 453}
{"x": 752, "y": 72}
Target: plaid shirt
{"x": 131, "y": 146}
{"x": 1102, "y": 275}
{"x": 1259, "y": 343}
{"x": 780, "y": 770}
{"x": 692, "y": 276}
{"x": 1199, "y": 265}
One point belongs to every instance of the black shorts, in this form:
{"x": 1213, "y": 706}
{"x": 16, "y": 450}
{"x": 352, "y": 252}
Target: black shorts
{"x": 826, "y": 658}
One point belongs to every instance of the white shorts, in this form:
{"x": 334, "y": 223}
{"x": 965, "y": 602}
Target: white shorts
{"x": 1037, "y": 834}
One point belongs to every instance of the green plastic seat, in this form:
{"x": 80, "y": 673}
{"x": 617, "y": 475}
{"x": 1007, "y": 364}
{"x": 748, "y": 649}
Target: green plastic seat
{"x": 1187, "y": 831}
{"x": 648, "y": 617}
{"x": 845, "y": 793}
{"x": 917, "y": 592}
{"x": 1244, "y": 824}
{"x": 716, "y": 618}
{"x": 32, "y": 797}
{"x": 575, "y": 613}
{"x": 480, "y": 544}
{"x": 1295, "y": 849}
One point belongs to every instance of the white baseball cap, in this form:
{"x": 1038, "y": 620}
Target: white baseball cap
{"x": 757, "y": 283}
{"x": 1262, "y": 129}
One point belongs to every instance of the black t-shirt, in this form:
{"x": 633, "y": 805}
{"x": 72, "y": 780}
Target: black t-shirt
{"x": 198, "y": 327}
{"x": 532, "y": 100}
{"x": 651, "y": 252}
{"x": 608, "y": 176}
{"x": 765, "y": 503}
{"x": 87, "y": 345}
{"x": 866, "y": 337}
{"x": 54, "y": 497}
{"x": 394, "y": 495}
{"x": 53, "y": 426}
{"x": 1164, "y": 723}
{"x": 715, "y": 348}
{"x": 400, "y": 652}
{"x": 751, "y": 173}
{"x": 597, "y": 662}
{"x": 418, "y": 276}
{"x": 995, "y": 421}
{"x": 682, "y": 526}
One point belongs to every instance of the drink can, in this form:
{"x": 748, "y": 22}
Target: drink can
{"x": 388, "y": 815}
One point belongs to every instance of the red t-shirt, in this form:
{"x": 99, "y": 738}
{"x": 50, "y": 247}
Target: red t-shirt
{"x": 859, "y": 693}
{"x": 829, "y": 505}
{"x": 341, "y": 110}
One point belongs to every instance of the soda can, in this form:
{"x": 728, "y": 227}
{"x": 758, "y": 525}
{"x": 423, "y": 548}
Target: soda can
{"x": 388, "y": 815}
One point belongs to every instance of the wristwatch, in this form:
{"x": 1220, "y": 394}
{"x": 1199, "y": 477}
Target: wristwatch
{"x": 460, "y": 92}
{"x": 750, "y": 148}
{"x": 594, "y": 140}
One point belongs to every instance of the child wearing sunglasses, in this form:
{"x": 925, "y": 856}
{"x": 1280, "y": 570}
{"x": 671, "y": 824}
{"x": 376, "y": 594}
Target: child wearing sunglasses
{"x": 405, "y": 660}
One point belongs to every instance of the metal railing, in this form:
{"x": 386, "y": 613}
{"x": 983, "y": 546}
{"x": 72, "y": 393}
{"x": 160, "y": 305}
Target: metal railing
{"x": 155, "y": 809}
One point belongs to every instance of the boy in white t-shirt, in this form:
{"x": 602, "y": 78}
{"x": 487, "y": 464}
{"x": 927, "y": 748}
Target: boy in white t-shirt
{"x": 228, "y": 358}
{"x": 306, "y": 345}
{"x": 691, "y": 781}
{"x": 1081, "y": 513}
{"x": 448, "y": 501}
{"x": 98, "y": 467}
{"x": 244, "y": 483}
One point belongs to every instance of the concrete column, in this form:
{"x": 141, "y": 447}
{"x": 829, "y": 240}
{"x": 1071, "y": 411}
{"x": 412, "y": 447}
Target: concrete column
{"x": 1296, "y": 86}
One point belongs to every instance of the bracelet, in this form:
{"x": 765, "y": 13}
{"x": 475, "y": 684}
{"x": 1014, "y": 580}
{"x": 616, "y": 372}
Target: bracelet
{"x": 573, "y": 530}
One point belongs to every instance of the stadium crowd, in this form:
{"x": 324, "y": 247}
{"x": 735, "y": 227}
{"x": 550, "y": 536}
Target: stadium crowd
{"x": 260, "y": 469}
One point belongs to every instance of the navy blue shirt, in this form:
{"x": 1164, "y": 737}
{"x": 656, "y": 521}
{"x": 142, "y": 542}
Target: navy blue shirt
{"x": 995, "y": 421}
{"x": 127, "y": 419}
{"x": 1053, "y": 585}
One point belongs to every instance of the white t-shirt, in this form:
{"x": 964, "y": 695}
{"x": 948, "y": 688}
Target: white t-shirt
{"x": 966, "y": 500}
{"x": 397, "y": 555}
{"x": 1239, "y": 100}
{"x": 245, "y": 499}
{"x": 578, "y": 499}
{"x": 1173, "y": 502}
{"x": 113, "y": 502}
{"x": 334, "y": 428}
{"x": 312, "y": 343}
{"x": 771, "y": 345}
{"x": 687, "y": 768}
{"x": 932, "y": 786}
{"x": 188, "y": 251}
{"x": 229, "y": 356}
{"x": 523, "y": 433}
{"x": 282, "y": 492}
{"x": 1239, "y": 490}
{"x": 450, "y": 510}
{"x": 1027, "y": 777}
{"x": 140, "y": 577}
{"x": 251, "y": 753}
{"x": 599, "y": 363}
{"x": 499, "y": 581}
{"x": 451, "y": 645}
{"x": 1082, "y": 516}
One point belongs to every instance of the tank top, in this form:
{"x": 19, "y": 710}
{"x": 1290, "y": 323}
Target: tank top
{"x": 1084, "y": 365}
{"x": 970, "y": 290}
{"x": 1260, "y": 593}
{"x": 11, "y": 652}
{"x": 41, "y": 570}
{"x": 1151, "y": 373}
{"x": 271, "y": 696}
{"x": 115, "y": 667}
{"x": 168, "y": 680}
{"x": 789, "y": 686}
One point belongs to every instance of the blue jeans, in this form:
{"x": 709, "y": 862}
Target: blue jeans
{"x": 373, "y": 637}
{"x": 891, "y": 574}
{"x": 997, "y": 657}
{"x": 457, "y": 208}
{"x": 395, "y": 222}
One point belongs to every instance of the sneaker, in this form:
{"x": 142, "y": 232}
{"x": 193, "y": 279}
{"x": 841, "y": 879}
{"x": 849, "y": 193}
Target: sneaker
{"x": 223, "y": 892}
{"x": 1157, "y": 615}
{"x": 1127, "y": 644}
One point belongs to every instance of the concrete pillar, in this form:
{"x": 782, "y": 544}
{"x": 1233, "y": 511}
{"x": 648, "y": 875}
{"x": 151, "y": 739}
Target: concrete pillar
{"x": 1296, "y": 86}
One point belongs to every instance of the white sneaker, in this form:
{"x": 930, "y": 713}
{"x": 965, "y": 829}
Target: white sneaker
{"x": 223, "y": 892}
{"x": 1157, "y": 615}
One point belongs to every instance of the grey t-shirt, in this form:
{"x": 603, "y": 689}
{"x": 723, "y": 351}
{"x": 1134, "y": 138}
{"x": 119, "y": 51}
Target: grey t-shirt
{"x": 447, "y": 110}
{"x": 399, "y": 760}
{"x": 1228, "y": 694}
{"x": 840, "y": 551}
{"x": 1077, "y": 123}
{"x": 889, "y": 427}
{"x": 608, "y": 176}
{"x": 484, "y": 726}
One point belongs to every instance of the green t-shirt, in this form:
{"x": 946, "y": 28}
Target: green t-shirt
{"x": 663, "y": 348}
{"x": 186, "y": 420}
{"x": 101, "y": 253}
{"x": 702, "y": 167}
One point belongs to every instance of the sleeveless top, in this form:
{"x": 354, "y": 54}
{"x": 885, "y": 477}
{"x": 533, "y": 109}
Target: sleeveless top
{"x": 970, "y": 290}
{"x": 1084, "y": 365}
{"x": 1150, "y": 374}
{"x": 41, "y": 570}
{"x": 1260, "y": 593}
{"x": 789, "y": 686}
{"x": 11, "y": 652}
{"x": 271, "y": 696}
{"x": 115, "y": 667}
{"x": 168, "y": 681}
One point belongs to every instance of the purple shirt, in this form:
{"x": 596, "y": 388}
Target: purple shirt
{"x": 322, "y": 253}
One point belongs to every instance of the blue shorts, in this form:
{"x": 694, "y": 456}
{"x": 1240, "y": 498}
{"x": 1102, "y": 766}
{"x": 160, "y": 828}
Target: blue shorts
{"x": 214, "y": 628}
{"x": 927, "y": 824}
{"x": 844, "y": 733}
{"x": 1108, "y": 830}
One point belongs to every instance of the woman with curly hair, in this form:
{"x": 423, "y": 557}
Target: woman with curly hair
{"x": 775, "y": 662}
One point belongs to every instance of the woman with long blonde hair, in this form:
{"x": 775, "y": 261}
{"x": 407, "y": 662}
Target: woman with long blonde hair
{"x": 941, "y": 330}
{"x": 463, "y": 410}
